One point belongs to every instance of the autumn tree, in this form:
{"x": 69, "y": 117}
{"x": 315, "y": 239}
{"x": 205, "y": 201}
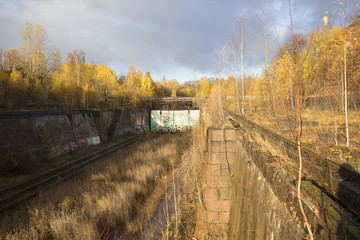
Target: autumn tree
{"x": 175, "y": 88}
{"x": 4, "y": 86}
{"x": 75, "y": 60}
{"x": 12, "y": 60}
{"x": 160, "y": 90}
{"x": 132, "y": 84}
{"x": 204, "y": 87}
{"x": 187, "y": 91}
{"x": 147, "y": 88}
{"x": 65, "y": 88}
{"x": 106, "y": 80}
{"x": 1, "y": 59}
{"x": 33, "y": 53}
{"x": 18, "y": 86}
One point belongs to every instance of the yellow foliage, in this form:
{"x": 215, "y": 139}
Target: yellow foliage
{"x": 17, "y": 79}
{"x": 106, "y": 79}
{"x": 147, "y": 88}
{"x": 174, "y": 90}
{"x": 204, "y": 87}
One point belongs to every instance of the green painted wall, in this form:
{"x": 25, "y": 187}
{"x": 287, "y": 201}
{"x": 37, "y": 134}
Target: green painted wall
{"x": 174, "y": 120}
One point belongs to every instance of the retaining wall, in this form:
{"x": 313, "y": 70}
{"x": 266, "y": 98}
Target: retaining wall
{"x": 31, "y": 137}
{"x": 217, "y": 181}
{"x": 238, "y": 200}
{"x": 257, "y": 212}
{"x": 266, "y": 202}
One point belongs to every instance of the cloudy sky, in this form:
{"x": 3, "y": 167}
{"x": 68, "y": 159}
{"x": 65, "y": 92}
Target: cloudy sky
{"x": 166, "y": 37}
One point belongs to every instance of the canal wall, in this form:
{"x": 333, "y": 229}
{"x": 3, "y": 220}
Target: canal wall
{"x": 28, "y": 138}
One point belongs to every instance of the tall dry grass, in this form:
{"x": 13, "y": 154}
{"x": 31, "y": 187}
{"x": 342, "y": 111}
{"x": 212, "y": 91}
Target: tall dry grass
{"x": 114, "y": 197}
{"x": 322, "y": 130}
{"x": 191, "y": 198}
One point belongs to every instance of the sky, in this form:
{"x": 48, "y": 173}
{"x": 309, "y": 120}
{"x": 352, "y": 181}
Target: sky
{"x": 178, "y": 39}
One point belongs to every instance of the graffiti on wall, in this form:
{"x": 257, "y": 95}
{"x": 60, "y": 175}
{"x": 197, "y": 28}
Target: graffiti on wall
{"x": 69, "y": 147}
{"x": 173, "y": 120}
{"x": 139, "y": 126}
{"x": 167, "y": 119}
{"x": 137, "y": 129}
{"x": 79, "y": 144}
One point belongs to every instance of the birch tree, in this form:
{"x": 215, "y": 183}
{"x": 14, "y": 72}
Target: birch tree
{"x": 271, "y": 100}
{"x": 219, "y": 68}
{"x": 33, "y": 49}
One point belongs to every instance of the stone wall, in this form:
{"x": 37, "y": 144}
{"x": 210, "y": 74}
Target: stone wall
{"x": 238, "y": 200}
{"x": 218, "y": 166}
{"x": 330, "y": 193}
{"x": 31, "y": 137}
{"x": 256, "y": 211}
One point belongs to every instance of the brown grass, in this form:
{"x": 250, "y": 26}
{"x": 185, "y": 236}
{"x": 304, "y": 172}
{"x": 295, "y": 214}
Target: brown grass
{"x": 320, "y": 127}
{"x": 106, "y": 200}
{"x": 189, "y": 201}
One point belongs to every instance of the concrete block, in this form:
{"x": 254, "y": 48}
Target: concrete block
{"x": 215, "y": 158}
{"x": 219, "y": 146}
{"x": 218, "y": 181}
{"x": 225, "y": 193}
{"x": 218, "y": 217}
{"x": 212, "y": 169}
{"x": 227, "y": 169}
{"x": 224, "y": 217}
{"x": 216, "y": 147}
{"x": 217, "y": 231}
{"x": 212, "y": 217}
{"x": 218, "y": 205}
{"x": 231, "y": 134}
{"x": 215, "y": 134}
{"x": 230, "y": 157}
{"x": 230, "y": 146}
{"x": 211, "y": 194}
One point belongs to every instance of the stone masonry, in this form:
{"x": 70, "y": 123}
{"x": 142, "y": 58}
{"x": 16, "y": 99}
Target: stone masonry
{"x": 218, "y": 169}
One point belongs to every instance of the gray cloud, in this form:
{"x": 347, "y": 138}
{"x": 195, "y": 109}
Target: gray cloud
{"x": 157, "y": 35}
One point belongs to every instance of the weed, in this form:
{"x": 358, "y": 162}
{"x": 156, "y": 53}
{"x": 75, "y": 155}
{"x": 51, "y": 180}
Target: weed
{"x": 107, "y": 200}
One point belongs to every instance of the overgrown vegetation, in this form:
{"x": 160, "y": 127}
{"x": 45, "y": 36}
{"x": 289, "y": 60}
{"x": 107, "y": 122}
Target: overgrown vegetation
{"x": 113, "y": 197}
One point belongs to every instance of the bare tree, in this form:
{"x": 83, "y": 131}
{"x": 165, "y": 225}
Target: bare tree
{"x": 298, "y": 65}
{"x": 237, "y": 46}
{"x": 219, "y": 68}
{"x": 1, "y": 59}
{"x": 272, "y": 98}
{"x": 76, "y": 59}
{"x": 195, "y": 81}
{"x": 12, "y": 60}
{"x": 234, "y": 53}
{"x": 346, "y": 46}
{"x": 242, "y": 25}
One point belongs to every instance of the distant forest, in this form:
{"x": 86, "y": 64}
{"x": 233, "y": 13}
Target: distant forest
{"x": 326, "y": 62}
{"x": 35, "y": 75}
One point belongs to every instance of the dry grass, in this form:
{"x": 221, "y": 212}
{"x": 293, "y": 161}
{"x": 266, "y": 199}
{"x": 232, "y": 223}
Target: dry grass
{"x": 323, "y": 131}
{"x": 191, "y": 197}
{"x": 106, "y": 200}
{"x": 19, "y": 173}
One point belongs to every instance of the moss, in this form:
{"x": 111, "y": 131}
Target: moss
{"x": 333, "y": 215}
